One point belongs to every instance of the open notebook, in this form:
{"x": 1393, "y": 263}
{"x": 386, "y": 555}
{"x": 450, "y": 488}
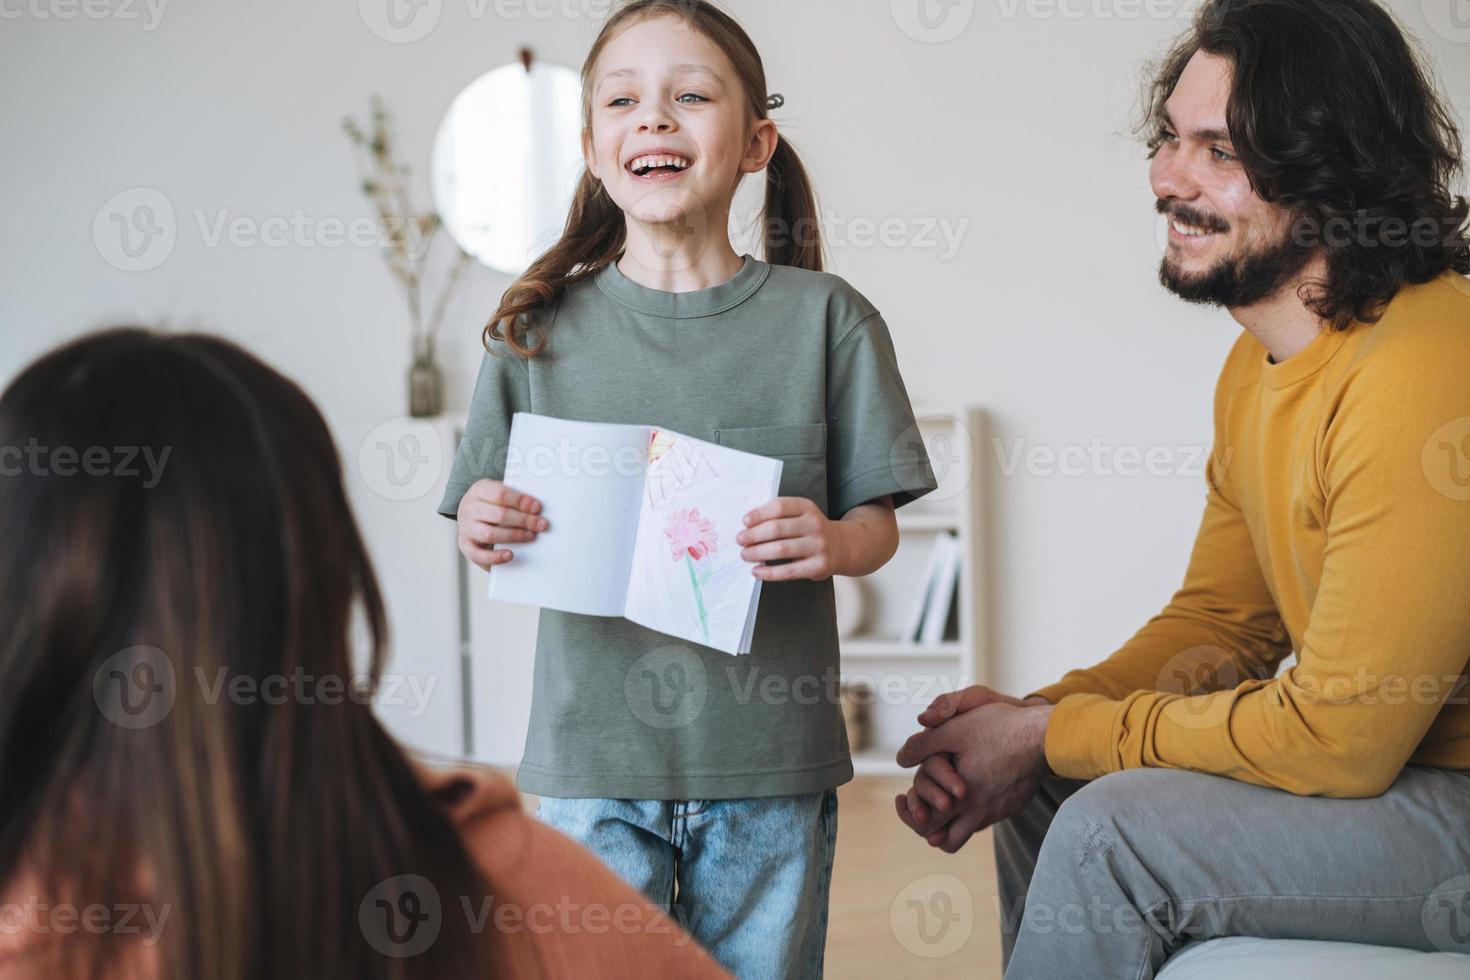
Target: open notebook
{"x": 642, "y": 525}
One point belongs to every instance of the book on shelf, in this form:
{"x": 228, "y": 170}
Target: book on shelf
{"x": 915, "y": 618}
{"x": 942, "y": 593}
{"x": 932, "y": 610}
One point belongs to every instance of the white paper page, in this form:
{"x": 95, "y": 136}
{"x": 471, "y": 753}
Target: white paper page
{"x": 688, "y": 579}
{"x": 589, "y": 479}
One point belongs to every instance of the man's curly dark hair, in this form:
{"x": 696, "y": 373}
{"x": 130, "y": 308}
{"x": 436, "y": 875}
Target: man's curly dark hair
{"x": 1336, "y": 118}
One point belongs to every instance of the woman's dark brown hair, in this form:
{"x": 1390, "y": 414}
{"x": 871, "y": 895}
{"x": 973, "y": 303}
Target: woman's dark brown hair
{"x": 261, "y": 824}
{"x": 595, "y": 230}
{"x": 1335, "y": 118}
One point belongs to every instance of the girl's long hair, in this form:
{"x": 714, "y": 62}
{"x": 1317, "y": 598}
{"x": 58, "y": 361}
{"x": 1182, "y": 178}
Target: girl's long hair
{"x": 595, "y": 230}
{"x": 176, "y": 520}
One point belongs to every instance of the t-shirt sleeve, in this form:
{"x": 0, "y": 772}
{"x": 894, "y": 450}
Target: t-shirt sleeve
{"x": 502, "y": 389}
{"x": 873, "y": 444}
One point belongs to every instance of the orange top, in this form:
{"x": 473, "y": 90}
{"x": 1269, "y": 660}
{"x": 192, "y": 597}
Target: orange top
{"x": 555, "y": 910}
{"x": 596, "y": 924}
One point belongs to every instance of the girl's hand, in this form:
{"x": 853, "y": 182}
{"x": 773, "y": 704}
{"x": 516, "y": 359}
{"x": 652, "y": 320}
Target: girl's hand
{"x": 792, "y": 528}
{"x": 490, "y": 513}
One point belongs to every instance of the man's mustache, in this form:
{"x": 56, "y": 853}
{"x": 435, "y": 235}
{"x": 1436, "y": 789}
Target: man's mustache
{"x": 1190, "y": 216}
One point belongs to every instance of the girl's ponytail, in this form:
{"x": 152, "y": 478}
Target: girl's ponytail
{"x": 793, "y": 230}
{"x": 591, "y": 240}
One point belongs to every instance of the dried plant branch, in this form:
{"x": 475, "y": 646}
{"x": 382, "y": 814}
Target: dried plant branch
{"x": 408, "y": 235}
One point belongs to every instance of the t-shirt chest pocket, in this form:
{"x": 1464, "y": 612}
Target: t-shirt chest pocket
{"x": 801, "y": 448}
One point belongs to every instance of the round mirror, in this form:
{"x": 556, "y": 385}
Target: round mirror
{"x": 506, "y": 160}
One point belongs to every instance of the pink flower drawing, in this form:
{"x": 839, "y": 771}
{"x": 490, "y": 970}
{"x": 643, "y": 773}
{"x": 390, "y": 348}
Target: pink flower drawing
{"x": 688, "y": 532}
{"x": 691, "y": 538}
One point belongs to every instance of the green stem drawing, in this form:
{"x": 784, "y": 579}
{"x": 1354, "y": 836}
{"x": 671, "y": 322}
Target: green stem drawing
{"x": 698, "y": 597}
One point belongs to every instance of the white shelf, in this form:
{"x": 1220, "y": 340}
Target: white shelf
{"x": 906, "y": 675}
{"x": 868, "y": 648}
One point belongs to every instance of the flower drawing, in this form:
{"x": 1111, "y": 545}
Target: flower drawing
{"x": 688, "y": 532}
{"x": 692, "y": 538}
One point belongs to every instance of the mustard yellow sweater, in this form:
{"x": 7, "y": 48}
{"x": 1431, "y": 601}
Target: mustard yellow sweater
{"x": 1337, "y": 525}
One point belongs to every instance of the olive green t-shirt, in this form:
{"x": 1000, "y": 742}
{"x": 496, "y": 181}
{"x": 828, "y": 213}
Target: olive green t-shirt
{"x": 783, "y": 362}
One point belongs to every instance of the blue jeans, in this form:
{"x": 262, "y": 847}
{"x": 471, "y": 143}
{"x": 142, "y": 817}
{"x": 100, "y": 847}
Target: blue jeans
{"x": 749, "y": 879}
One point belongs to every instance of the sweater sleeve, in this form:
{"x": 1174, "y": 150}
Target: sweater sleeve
{"x": 1389, "y": 631}
{"x": 502, "y": 388}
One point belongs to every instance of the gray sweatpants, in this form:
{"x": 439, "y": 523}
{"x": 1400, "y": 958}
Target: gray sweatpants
{"x": 1118, "y": 873}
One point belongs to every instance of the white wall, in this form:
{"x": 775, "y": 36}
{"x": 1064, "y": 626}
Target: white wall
{"x": 1049, "y": 313}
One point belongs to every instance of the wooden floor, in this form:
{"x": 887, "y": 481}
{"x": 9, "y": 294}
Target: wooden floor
{"x": 900, "y": 908}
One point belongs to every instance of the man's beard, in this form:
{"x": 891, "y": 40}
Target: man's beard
{"x": 1236, "y": 280}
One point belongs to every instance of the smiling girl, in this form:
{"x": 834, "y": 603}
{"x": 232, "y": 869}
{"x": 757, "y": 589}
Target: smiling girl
{"x": 706, "y": 781}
